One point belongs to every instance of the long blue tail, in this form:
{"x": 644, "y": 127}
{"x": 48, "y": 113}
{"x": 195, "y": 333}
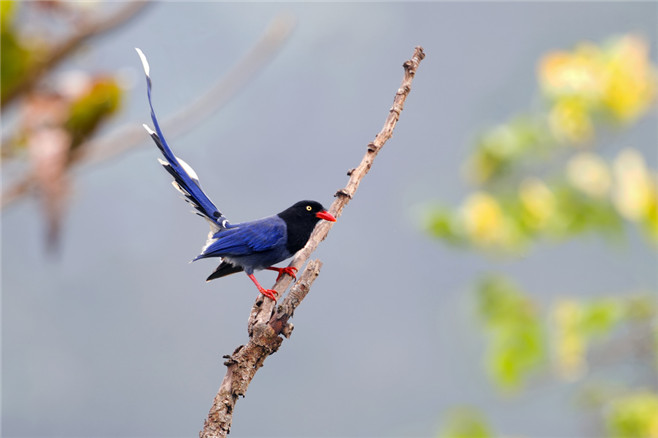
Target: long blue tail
{"x": 185, "y": 179}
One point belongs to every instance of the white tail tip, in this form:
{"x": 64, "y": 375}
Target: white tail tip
{"x": 145, "y": 63}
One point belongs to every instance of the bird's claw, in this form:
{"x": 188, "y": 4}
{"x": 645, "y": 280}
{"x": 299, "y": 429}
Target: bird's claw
{"x": 269, "y": 293}
{"x": 290, "y": 270}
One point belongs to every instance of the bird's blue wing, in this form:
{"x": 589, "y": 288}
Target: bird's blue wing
{"x": 185, "y": 179}
{"x": 247, "y": 238}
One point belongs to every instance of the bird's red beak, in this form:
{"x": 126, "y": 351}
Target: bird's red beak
{"x": 324, "y": 214}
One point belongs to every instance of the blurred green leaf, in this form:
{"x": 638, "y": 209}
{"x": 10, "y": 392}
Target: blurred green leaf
{"x": 515, "y": 350}
{"x": 507, "y": 223}
{"x": 466, "y": 423}
{"x": 7, "y": 12}
{"x": 92, "y": 108}
{"x": 600, "y": 316}
{"x": 441, "y": 223}
{"x": 499, "y": 300}
{"x": 641, "y": 306}
{"x": 527, "y": 191}
{"x": 517, "y": 342}
{"x": 634, "y": 415}
{"x": 616, "y": 78}
{"x": 501, "y": 148}
{"x": 15, "y": 58}
{"x": 580, "y": 213}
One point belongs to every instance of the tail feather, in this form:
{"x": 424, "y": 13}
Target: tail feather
{"x": 223, "y": 270}
{"x": 185, "y": 179}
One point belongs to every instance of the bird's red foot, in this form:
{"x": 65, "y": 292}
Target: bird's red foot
{"x": 290, "y": 270}
{"x": 269, "y": 293}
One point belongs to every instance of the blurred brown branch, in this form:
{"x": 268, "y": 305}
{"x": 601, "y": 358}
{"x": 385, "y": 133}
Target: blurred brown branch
{"x": 131, "y": 135}
{"x": 266, "y": 322}
{"x": 207, "y": 103}
{"x": 61, "y": 51}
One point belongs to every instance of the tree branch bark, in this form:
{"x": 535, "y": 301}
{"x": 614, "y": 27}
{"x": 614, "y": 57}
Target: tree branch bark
{"x": 267, "y": 321}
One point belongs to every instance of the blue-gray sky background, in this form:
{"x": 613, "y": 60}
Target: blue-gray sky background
{"x": 120, "y": 337}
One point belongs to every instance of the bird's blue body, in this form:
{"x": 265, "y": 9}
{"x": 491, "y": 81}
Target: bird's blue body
{"x": 247, "y": 246}
{"x": 253, "y": 245}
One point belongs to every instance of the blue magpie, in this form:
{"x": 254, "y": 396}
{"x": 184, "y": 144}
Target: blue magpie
{"x": 246, "y": 246}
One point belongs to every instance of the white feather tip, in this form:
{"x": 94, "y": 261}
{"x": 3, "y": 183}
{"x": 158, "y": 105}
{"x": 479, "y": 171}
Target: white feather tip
{"x": 145, "y": 63}
{"x": 188, "y": 169}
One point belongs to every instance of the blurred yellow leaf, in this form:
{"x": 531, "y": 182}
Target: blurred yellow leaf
{"x": 616, "y": 78}
{"x": 630, "y": 85}
{"x": 568, "y": 339}
{"x": 589, "y": 173}
{"x": 486, "y": 225}
{"x": 635, "y": 193}
{"x": 576, "y": 73}
{"x": 575, "y": 323}
{"x": 538, "y": 203}
{"x": 570, "y": 121}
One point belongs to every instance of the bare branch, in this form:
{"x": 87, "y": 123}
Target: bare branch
{"x": 265, "y": 325}
{"x": 246, "y": 360}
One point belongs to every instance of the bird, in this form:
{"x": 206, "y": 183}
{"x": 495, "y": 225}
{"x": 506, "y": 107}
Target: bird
{"x": 246, "y": 246}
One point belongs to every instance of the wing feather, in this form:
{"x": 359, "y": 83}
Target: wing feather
{"x": 247, "y": 238}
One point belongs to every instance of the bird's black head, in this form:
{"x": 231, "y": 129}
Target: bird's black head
{"x": 300, "y": 220}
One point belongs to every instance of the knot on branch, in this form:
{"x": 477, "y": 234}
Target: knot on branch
{"x": 411, "y": 65}
{"x": 266, "y": 338}
{"x": 287, "y": 330}
{"x": 342, "y": 193}
{"x": 372, "y": 147}
{"x": 405, "y": 89}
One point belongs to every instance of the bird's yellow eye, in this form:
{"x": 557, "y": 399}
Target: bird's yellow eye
{"x": 309, "y": 208}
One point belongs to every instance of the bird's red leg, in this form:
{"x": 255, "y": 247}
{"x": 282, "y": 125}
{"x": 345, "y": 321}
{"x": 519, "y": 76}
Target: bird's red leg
{"x": 290, "y": 270}
{"x": 269, "y": 293}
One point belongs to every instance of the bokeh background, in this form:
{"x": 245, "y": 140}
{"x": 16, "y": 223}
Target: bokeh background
{"x": 495, "y": 274}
